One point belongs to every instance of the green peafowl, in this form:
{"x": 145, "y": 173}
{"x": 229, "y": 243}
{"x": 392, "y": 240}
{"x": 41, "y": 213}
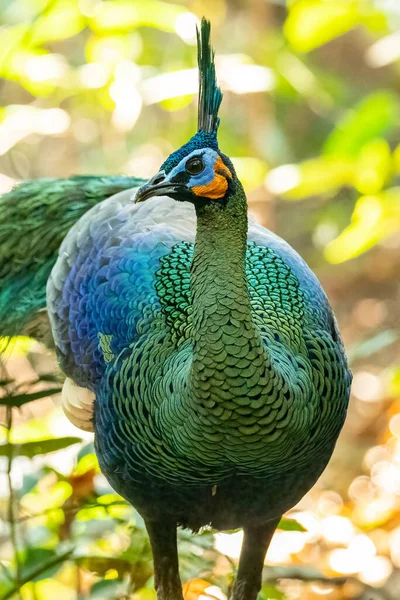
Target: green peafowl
{"x": 197, "y": 345}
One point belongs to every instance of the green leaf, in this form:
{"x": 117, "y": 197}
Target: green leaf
{"x": 32, "y": 575}
{"x": 124, "y": 15}
{"x": 62, "y": 22}
{"x": 5, "y": 574}
{"x": 290, "y": 525}
{"x": 35, "y": 559}
{"x": 20, "y": 399}
{"x": 52, "y": 377}
{"x": 374, "y": 167}
{"x": 320, "y": 175}
{"x": 11, "y": 38}
{"x": 270, "y": 592}
{"x": 101, "y": 564}
{"x": 5, "y": 382}
{"x": 85, "y": 450}
{"x": 311, "y": 23}
{"x": 31, "y": 449}
{"x": 374, "y": 219}
{"x": 366, "y": 348}
{"x": 375, "y": 116}
{"x": 29, "y": 482}
{"x": 108, "y": 588}
{"x": 394, "y": 381}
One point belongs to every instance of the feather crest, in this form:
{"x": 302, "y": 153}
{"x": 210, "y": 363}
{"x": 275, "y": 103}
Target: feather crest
{"x": 210, "y": 95}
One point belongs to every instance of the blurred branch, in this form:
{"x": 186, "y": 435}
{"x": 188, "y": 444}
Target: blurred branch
{"x": 35, "y": 573}
{"x": 271, "y": 574}
{"x": 21, "y": 399}
{"x": 309, "y": 574}
{"x": 12, "y": 501}
{"x": 74, "y": 509}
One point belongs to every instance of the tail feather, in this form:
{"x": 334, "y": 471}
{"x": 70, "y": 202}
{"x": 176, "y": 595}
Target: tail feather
{"x": 34, "y": 219}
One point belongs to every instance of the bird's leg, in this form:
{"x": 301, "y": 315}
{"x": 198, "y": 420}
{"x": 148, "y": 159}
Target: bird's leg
{"x": 255, "y": 545}
{"x": 165, "y": 556}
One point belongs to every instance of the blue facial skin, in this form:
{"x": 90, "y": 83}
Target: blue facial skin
{"x": 209, "y": 158}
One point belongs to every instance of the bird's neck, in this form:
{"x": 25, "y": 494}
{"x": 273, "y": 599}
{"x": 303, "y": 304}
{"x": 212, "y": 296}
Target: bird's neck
{"x": 225, "y": 339}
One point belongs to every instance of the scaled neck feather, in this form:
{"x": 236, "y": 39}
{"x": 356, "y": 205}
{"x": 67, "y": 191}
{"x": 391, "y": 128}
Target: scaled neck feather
{"x": 225, "y": 339}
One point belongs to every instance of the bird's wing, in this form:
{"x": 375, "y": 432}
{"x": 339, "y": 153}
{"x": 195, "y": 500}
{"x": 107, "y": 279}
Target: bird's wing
{"x": 34, "y": 218}
{"x": 102, "y": 293}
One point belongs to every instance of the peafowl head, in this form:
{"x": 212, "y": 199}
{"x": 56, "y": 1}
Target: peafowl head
{"x": 198, "y": 172}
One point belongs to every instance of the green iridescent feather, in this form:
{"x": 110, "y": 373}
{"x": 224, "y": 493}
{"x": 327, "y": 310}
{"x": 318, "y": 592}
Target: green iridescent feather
{"x": 34, "y": 219}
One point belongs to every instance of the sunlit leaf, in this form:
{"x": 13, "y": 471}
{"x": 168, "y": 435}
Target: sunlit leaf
{"x": 366, "y": 348}
{"x": 108, "y": 588}
{"x": 270, "y": 592}
{"x": 374, "y": 167}
{"x": 21, "y": 399}
{"x": 86, "y": 463}
{"x": 117, "y": 507}
{"x": 64, "y": 20}
{"x": 31, "y": 449}
{"x": 316, "y": 176}
{"x": 36, "y": 572}
{"x": 52, "y": 588}
{"x": 124, "y": 15}
{"x": 101, "y": 564}
{"x": 30, "y": 431}
{"x": 10, "y": 39}
{"x": 394, "y": 381}
{"x": 374, "y": 219}
{"x": 250, "y": 170}
{"x": 146, "y": 593}
{"x": 290, "y": 525}
{"x": 178, "y": 103}
{"x": 18, "y": 346}
{"x": 56, "y": 495}
{"x": 92, "y": 513}
{"x": 375, "y": 116}
{"x": 109, "y": 49}
{"x": 311, "y": 23}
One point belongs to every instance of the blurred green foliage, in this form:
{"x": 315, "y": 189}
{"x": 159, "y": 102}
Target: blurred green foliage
{"x": 311, "y": 118}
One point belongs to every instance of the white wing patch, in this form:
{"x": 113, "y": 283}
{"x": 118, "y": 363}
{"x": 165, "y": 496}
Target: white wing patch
{"x": 77, "y": 404}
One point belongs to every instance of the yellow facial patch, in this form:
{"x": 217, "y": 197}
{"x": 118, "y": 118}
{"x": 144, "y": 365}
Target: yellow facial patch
{"x": 218, "y": 186}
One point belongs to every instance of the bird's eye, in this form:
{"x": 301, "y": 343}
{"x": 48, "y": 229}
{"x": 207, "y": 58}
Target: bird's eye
{"x": 195, "y": 165}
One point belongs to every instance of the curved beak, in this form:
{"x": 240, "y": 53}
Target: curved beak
{"x": 157, "y": 186}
